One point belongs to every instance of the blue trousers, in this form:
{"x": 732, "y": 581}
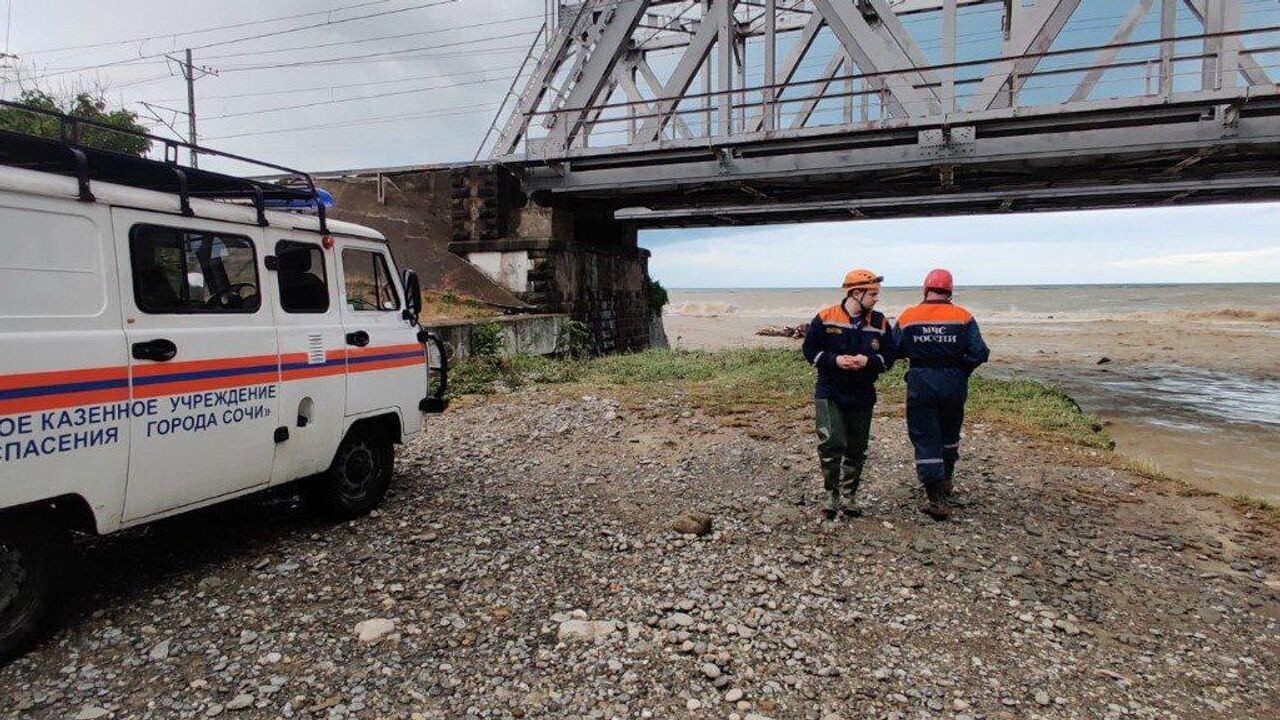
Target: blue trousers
{"x": 935, "y": 414}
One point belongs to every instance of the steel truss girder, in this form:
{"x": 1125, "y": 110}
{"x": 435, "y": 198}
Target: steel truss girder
{"x": 965, "y": 203}
{"x": 607, "y": 44}
{"x": 1147, "y": 154}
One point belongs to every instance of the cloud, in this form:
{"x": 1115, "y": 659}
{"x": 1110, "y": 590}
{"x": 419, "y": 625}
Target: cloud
{"x": 1215, "y": 259}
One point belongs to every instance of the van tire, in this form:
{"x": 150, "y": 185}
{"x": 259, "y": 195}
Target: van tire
{"x": 30, "y": 556}
{"x": 358, "y": 479}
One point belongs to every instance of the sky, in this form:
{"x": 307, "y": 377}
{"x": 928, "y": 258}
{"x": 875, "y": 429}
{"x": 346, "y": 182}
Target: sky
{"x": 420, "y": 82}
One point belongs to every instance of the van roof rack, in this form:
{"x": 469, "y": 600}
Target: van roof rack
{"x": 67, "y": 156}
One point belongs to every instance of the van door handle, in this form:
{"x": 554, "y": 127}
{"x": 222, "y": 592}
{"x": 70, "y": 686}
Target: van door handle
{"x": 158, "y": 350}
{"x": 359, "y": 338}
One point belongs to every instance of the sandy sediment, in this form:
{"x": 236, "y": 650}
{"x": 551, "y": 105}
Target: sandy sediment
{"x": 525, "y": 566}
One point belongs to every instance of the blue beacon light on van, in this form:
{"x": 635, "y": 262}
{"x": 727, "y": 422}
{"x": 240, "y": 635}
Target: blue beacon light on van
{"x": 323, "y": 197}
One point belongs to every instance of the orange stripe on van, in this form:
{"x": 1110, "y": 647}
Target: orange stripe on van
{"x": 314, "y": 371}
{"x": 382, "y": 350}
{"x": 62, "y": 377}
{"x": 203, "y": 384}
{"x": 387, "y": 364}
{"x": 171, "y": 367}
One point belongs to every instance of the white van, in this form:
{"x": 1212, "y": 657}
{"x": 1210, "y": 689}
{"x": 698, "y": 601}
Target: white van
{"x": 168, "y": 341}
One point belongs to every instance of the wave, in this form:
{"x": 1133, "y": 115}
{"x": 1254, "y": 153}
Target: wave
{"x": 1236, "y": 315}
{"x": 702, "y": 309}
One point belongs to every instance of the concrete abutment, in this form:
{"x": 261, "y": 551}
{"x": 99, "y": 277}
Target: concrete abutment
{"x": 577, "y": 261}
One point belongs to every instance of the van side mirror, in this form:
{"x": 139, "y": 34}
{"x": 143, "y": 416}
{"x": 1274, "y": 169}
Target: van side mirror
{"x": 412, "y": 295}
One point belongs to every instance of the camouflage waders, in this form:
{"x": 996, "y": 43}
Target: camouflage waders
{"x": 843, "y": 436}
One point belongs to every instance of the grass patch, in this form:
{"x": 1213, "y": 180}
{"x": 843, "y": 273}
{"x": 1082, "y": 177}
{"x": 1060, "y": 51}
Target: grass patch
{"x": 1269, "y": 512}
{"x": 731, "y": 382}
{"x": 448, "y": 306}
{"x": 1036, "y": 408}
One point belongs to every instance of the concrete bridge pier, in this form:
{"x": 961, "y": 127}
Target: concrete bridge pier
{"x": 574, "y": 260}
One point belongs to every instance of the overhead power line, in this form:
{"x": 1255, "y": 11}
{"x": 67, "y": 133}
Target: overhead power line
{"x": 342, "y": 86}
{"x": 259, "y": 36}
{"x": 376, "y": 120}
{"x": 354, "y": 99}
{"x": 317, "y": 46}
{"x": 201, "y": 31}
{"x": 385, "y": 53}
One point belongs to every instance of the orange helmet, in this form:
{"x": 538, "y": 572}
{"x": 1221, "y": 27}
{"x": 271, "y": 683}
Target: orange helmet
{"x": 939, "y": 280}
{"x": 862, "y": 280}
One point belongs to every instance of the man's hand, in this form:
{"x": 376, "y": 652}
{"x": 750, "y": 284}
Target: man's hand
{"x": 851, "y": 362}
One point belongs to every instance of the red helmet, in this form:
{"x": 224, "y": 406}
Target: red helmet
{"x": 939, "y": 280}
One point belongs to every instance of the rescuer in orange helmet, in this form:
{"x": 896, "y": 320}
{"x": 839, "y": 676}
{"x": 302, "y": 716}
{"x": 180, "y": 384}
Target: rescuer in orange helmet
{"x": 850, "y": 344}
{"x": 944, "y": 346}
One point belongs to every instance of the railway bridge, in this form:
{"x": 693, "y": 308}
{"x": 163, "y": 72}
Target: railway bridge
{"x": 635, "y": 114}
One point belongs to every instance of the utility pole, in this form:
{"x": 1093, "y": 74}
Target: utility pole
{"x": 191, "y": 73}
{"x": 188, "y": 71}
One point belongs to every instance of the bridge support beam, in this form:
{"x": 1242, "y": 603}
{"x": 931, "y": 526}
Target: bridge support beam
{"x": 576, "y": 260}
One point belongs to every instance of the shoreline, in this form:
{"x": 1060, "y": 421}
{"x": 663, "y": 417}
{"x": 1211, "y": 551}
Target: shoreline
{"x": 1170, "y": 418}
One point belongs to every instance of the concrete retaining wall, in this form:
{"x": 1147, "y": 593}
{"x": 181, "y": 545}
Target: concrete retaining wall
{"x": 521, "y": 334}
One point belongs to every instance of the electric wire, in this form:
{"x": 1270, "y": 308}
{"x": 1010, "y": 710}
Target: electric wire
{"x": 231, "y": 26}
{"x": 260, "y": 36}
{"x": 373, "y": 120}
{"x": 357, "y": 98}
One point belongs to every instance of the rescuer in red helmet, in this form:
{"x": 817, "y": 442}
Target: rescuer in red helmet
{"x": 850, "y": 344}
{"x": 944, "y": 346}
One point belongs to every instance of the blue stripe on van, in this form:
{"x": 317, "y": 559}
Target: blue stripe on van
{"x": 380, "y": 358}
{"x": 42, "y": 390}
{"x": 206, "y": 374}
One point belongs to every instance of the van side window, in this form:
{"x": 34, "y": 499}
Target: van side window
{"x": 369, "y": 284}
{"x": 304, "y": 287}
{"x": 181, "y": 271}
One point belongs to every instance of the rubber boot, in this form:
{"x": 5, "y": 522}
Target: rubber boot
{"x": 831, "y": 481}
{"x": 936, "y": 506}
{"x": 849, "y": 505}
{"x": 832, "y": 510}
{"x": 948, "y": 479}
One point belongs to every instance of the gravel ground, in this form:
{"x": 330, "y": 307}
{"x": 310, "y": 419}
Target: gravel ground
{"x": 525, "y": 565}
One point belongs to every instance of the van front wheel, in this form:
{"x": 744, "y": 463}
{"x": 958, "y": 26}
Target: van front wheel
{"x": 28, "y": 569}
{"x": 357, "y": 480}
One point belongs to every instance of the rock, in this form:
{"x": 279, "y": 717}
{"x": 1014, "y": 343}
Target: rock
{"x": 692, "y": 523}
{"x": 213, "y": 582}
{"x": 248, "y": 637}
{"x": 373, "y": 630}
{"x": 681, "y": 619}
{"x": 585, "y": 630}
{"x": 92, "y": 712}
{"x": 693, "y": 704}
{"x": 214, "y": 710}
{"x": 240, "y": 702}
{"x": 1042, "y": 698}
{"x": 777, "y": 515}
{"x": 1067, "y": 627}
{"x": 160, "y": 651}
{"x": 711, "y": 670}
{"x": 1104, "y": 360}
{"x": 733, "y": 695}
